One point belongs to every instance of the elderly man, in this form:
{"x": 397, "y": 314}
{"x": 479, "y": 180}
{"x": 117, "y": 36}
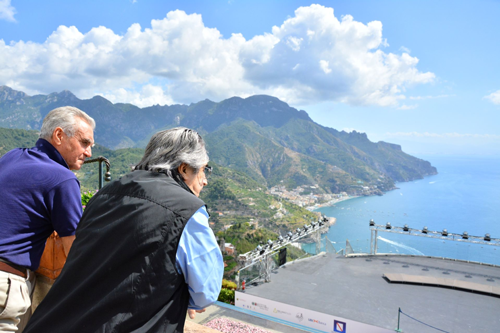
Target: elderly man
{"x": 40, "y": 194}
{"x": 144, "y": 252}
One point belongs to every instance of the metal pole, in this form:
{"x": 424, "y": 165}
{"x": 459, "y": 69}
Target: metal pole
{"x": 100, "y": 174}
{"x": 100, "y": 160}
{"x": 399, "y": 317}
{"x": 371, "y": 242}
{"x": 268, "y": 270}
{"x": 376, "y": 242}
{"x": 317, "y": 237}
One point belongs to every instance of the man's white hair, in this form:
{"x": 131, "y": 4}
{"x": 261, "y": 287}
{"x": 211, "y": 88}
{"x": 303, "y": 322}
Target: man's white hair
{"x": 66, "y": 118}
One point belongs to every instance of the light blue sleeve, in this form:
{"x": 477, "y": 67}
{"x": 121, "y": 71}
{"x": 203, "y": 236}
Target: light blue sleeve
{"x": 199, "y": 259}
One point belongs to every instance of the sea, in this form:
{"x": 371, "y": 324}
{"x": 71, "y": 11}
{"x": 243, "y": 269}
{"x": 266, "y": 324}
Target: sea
{"x": 463, "y": 196}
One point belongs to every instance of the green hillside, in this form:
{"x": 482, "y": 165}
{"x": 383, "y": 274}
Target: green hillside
{"x": 14, "y": 138}
{"x": 300, "y": 152}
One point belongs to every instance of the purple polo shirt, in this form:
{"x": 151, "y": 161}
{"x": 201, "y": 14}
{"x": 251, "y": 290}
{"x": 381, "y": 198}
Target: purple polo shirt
{"x": 39, "y": 194}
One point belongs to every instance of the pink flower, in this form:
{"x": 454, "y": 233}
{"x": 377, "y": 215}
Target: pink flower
{"x": 228, "y": 326}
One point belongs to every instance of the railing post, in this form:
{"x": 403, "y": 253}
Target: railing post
{"x": 100, "y": 174}
{"x": 399, "y": 317}
{"x": 317, "y": 236}
{"x": 376, "y": 242}
{"x": 371, "y": 242}
{"x": 107, "y": 175}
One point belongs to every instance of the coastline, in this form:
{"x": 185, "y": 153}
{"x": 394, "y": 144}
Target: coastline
{"x": 331, "y": 220}
{"x": 330, "y": 203}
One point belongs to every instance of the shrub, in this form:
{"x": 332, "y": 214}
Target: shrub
{"x": 226, "y": 296}
{"x": 228, "y": 284}
{"x": 230, "y": 266}
{"x": 86, "y": 196}
{"x": 227, "y": 292}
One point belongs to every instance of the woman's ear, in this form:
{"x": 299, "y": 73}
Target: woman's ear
{"x": 183, "y": 170}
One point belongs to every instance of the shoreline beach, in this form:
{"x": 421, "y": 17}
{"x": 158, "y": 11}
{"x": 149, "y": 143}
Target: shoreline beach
{"x": 330, "y": 203}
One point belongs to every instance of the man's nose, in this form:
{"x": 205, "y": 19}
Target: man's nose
{"x": 88, "y": 152}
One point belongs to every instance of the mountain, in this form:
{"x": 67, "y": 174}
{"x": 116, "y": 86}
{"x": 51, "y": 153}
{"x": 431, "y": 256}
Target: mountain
{"x": 247, "y": 147}
{"x": 261, "y": 136}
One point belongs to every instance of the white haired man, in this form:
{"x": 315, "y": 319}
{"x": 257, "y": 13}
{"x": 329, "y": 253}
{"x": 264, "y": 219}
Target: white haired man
{"x": 40, "y": 195}
{"x": 144, "y": 254}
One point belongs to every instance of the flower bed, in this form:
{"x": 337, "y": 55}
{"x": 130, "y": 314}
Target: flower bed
{"x": 229, "y": 326}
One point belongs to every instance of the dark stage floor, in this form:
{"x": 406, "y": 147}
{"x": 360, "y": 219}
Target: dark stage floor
{"x": 354, "y": 288}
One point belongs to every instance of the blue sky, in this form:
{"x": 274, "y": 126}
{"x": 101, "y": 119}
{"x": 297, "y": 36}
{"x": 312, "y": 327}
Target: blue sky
{"x": 423, "y": 74}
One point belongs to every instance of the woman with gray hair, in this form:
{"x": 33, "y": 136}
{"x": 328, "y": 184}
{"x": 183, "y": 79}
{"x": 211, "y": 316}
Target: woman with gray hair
{"x": 144, "y": 253}
{"x": 181, "y": 154}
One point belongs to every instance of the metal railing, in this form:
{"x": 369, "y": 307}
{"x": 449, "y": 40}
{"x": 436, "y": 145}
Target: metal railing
{"x": 391, "y": 240}
{"x": 101, "y": 160}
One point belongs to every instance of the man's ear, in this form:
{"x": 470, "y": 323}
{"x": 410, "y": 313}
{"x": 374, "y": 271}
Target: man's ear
{"x": 57, "y": 136}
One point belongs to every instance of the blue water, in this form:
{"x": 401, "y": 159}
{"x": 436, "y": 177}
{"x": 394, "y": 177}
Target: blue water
{"x": 464, "y": 196}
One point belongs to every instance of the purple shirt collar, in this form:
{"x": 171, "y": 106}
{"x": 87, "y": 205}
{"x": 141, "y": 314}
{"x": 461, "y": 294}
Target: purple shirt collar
{"x": 46, "y": 147}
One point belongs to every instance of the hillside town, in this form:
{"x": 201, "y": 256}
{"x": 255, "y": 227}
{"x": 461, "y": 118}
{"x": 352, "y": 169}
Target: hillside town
{"x": 310, "y": 197}
{"x": 305, "y": 196}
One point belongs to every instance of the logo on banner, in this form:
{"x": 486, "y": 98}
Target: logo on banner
{"x": 339, "y": 326}
{"x": 299, "y": 316}
{"x": 317, "y": 321}
{"x": 260, "y": 306}
{"x": 281, "y": 312}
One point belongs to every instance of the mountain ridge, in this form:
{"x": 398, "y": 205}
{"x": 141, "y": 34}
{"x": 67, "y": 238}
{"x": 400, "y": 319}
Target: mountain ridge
{"x": 260, "y": 135}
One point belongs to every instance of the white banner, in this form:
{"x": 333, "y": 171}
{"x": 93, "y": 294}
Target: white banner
{"x": 317, "y": 320}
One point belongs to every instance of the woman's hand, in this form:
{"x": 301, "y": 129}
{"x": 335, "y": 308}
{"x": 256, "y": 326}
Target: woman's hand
{"x": 192, "y": 313}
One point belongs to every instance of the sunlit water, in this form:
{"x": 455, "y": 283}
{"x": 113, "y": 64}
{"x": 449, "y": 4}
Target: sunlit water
{"x": 464, "y": 196}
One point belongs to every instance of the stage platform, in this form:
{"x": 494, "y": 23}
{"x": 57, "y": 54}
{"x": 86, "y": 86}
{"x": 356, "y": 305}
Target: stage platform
{"x": 355, "y": 288}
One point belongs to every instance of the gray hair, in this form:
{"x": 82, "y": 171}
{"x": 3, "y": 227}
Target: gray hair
{"x": 66, "y": 118}
{"x": 168, "y": 149}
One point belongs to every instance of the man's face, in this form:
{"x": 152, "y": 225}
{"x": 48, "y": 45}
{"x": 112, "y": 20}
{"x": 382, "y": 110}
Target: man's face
{"x": 77, "y": 148}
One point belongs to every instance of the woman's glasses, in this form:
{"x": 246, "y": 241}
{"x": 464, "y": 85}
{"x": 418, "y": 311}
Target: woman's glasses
{"x": 208, "y": 171}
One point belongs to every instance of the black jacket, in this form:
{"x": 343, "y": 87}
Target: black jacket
{"x": 120, "y": 275}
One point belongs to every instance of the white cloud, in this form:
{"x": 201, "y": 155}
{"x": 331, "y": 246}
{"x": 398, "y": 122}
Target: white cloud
{"x": 7, "y": 11}
{"x": 494, "y": 97}
{"x": 325, "y": 66}
{"x": 405, "y": 49}
{"x": 429, "y": 97}
{"x": 148, "y": 95}
{"x": 407, "y": 107}
{"x": 312, "y": 57}
{"x": 294, "y": 43}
